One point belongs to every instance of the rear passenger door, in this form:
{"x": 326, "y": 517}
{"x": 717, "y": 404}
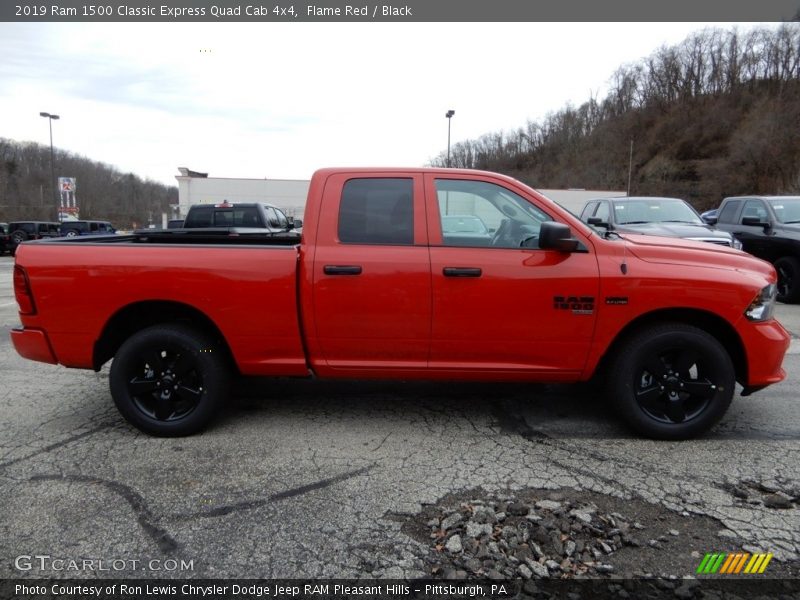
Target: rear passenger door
{"x": 371, "y": 275}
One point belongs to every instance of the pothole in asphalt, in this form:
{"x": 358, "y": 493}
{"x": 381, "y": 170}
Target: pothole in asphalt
{"x": 569, "y": 534}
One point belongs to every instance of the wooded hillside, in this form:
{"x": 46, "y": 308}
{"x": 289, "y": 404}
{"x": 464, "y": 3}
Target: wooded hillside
{"x": 717, "y": 115}
{"x": 102, "y": 191}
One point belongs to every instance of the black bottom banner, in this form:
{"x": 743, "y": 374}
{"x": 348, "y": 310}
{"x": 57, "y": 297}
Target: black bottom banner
{"x": 318, "y": 589}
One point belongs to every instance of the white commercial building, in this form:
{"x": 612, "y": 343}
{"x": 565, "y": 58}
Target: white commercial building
{"x": 199, "y": 188}
{"x": 290, "y": 194}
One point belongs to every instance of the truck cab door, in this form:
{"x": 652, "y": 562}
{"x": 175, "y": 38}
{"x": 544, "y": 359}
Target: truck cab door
{"x": 371, "y": 276}
{"x": 501, "y": 304}
{"x": 754, "y": 237}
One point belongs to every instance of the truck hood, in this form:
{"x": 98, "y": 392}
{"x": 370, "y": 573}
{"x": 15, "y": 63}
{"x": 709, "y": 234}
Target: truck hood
{"x": 678, "y": 230}
{"x": 677, "y": 251}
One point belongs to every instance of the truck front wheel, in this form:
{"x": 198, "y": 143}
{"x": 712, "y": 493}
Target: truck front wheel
{"x": 168, "y": 380}
{"x": 672, "y": 381}
{"x": 788, "y": 268}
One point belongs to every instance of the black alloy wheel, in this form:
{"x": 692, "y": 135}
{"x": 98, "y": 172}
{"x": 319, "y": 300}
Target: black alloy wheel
{"x": 168, "y": 380}
{"x": 788, "y": 269}
{"x": 672, "y": 381}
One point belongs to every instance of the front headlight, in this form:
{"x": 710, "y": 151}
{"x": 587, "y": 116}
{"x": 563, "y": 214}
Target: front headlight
{"x": 763, "y": 305}
{"x": 736, "y": 245}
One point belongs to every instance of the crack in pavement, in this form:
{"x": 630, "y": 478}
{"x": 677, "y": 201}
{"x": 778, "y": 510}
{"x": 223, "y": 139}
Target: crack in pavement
{"x": 251, "y": 504}
{"x": 165, "y": 542}
{"x": 55, "y": 446}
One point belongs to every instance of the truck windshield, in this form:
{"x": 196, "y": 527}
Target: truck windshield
{"x": 786, "y": 209}
{"x": 631, "y": 211}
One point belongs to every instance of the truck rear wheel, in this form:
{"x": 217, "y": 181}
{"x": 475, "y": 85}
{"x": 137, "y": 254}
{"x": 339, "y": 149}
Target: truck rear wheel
{"x": 168, "y": 380}
{"x": 672, "y": 381}
{"x": 788, "y": 268}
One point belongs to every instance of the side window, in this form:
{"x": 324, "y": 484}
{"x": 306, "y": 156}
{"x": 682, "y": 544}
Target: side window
{"x": 283, "y": 222}
{"x": 729, "y": 211}
{"x": 377, "y": 211}
{"x": 477, "y": 213}
{"x": 755, "y": 208}
{"x": 43, "y": 228}
{"x": 588, "y": 210}
{"x": 272, "y": 218}
{"x": 602, "y": 212}
{"x": 93, "y": 227}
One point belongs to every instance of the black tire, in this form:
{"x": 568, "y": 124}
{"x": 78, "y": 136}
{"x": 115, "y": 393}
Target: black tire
{"x": 788, "y": 268}
{"x": 71, "y": 233}
{"x": 19, "y": 236}
{"x": 169, "y": 380}
{"x": 671, "y": 381}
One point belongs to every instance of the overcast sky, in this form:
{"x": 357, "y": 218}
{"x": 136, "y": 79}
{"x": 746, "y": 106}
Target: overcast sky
{"x": 280, "y": 100}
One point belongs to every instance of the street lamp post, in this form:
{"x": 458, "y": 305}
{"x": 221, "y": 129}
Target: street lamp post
{"x": 50, "y": 119}
{"x": 449, "y": 114}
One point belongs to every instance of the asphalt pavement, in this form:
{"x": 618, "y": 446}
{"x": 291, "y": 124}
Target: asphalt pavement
{"x": 315, "y": 479}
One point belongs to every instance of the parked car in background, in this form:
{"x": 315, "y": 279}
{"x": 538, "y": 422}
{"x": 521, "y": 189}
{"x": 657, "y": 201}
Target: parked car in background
{"x": 3, "y": 238}
{"x": 22, "y": 231}
{"x": 769, "y": 228}
{"x": 73, "y": 228}
{"x": 668, "y": 217}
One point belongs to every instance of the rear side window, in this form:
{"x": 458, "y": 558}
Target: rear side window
{"x": 377, "y": 211}
{"x": 729, "y": 211}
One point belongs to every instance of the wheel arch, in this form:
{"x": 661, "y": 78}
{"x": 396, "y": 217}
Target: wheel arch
{"x": 712, "y": 324}
{"x": 140, "y": 315}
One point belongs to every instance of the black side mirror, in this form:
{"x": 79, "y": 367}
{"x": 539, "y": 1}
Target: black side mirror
{"x": 597, "y": 221}
{"x": 556, "y": 236}
{"x": 710, "y": 220}
{"x": 755, "y": 222}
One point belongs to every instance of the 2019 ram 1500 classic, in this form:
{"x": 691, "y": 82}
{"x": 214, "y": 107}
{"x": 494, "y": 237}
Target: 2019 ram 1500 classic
{"x": 377, "y": 288}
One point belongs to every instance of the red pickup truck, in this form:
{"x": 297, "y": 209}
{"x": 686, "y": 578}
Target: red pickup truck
{"x": 407, "y": 274}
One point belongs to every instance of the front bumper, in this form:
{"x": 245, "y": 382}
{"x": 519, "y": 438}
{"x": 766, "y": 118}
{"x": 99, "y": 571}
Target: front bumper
{"x": 33, "y": 344}
{"x": 765, "y": 345}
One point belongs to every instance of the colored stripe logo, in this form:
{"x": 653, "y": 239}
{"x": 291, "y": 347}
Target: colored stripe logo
{"x": 736, "y": 563}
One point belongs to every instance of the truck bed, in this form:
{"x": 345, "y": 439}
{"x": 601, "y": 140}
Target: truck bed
{"x": 246, "y": 289}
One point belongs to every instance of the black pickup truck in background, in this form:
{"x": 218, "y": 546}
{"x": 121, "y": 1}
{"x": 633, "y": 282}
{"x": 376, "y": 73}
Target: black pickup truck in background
{"x": 769, "y": 228}
{"x": 254, "y": 215}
